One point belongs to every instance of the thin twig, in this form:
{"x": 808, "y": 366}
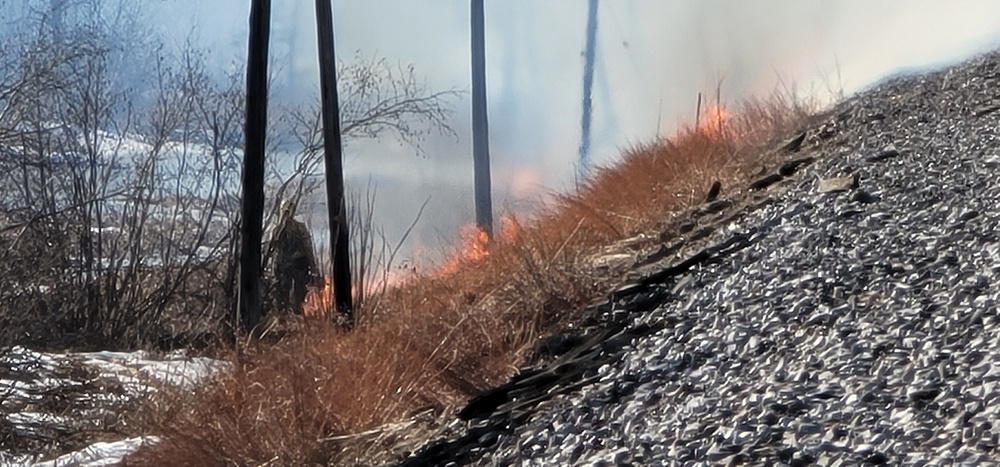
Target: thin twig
{"x": 564, "y": 243}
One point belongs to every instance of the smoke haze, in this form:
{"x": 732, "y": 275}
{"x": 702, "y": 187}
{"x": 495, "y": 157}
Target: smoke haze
{"x": 653, "y": 57}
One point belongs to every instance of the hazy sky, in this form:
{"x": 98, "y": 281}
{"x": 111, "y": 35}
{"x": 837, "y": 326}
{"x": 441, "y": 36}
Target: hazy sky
{"x": 654, "y": 56}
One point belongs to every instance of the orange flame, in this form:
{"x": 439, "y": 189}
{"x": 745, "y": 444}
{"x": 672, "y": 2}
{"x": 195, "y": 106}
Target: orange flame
{"x": 712, "y": 121}
{"x": 317, "y": 300}
{"x": 510, "y": 228}
{"x": 476, "y": 243}
{"x": 475, "y": 246}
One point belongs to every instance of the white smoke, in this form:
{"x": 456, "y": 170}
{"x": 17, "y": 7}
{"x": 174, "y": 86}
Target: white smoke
{"x": 653, "y": 58}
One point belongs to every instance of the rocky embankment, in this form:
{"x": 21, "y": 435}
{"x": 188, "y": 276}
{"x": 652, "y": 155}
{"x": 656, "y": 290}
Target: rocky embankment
{"x": 841, "y": 310}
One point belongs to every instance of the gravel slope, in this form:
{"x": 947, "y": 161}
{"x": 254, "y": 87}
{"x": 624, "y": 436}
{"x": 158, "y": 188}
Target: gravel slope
{"x": 858, "y": 325}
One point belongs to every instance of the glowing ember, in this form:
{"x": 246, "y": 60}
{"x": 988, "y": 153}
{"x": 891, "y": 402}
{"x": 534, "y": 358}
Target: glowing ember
{"x": 317, "y": 300}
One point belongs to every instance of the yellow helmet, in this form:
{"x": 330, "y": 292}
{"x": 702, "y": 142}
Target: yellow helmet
{"x": 286, "y": 208}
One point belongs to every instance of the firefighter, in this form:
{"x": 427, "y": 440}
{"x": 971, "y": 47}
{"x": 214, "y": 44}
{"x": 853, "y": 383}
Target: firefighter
{"x": 294, "y": 262}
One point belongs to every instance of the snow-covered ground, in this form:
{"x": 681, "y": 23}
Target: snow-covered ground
{"x": 96, "y": 455}
{"x": 43, "y": 395}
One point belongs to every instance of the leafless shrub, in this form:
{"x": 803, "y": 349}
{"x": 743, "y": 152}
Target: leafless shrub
{"x": 117, "y": 227}
{"x": 119, "y": 163}
{"x": 373, "y": 255}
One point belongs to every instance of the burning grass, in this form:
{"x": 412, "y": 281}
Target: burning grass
{"x": 322, "y": 395}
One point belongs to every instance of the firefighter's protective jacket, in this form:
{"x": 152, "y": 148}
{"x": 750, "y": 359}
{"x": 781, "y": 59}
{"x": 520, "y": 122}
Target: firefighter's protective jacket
{"x": 293, "y": 249}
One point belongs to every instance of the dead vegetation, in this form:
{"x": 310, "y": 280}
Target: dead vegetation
{"x": 323, "y": 396}
{"x": 115, "y": 213}
{"x": 101, "y": 252}
{"x": 119, "y": 166}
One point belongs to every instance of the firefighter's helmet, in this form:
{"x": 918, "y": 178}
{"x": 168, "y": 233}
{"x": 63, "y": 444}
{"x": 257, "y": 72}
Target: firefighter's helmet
{"x": 286, "y": 208}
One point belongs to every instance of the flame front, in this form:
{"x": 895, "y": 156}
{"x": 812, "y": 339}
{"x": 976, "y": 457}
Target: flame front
{"x": 713, "y": 120}
{"x": 475, "y": 246}
{"x": 476, "y": 243}
{"x": 317, "y": 300}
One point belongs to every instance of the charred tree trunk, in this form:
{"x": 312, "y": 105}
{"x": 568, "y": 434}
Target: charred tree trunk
{"x": 588, "y": 84}
{"x": 333, "y": 159}
{"x": 480, "y": 125}
{"x": 250, "y": 309}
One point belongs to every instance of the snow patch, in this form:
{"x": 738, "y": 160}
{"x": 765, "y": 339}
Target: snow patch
{"x": 32, "y": 376}
{"x": 100, "y": 454}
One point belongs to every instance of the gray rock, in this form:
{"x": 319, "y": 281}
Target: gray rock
{"x": 837, "y": 184}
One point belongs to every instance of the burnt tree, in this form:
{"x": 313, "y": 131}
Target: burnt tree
{"x": 588, "y": 85}
{"x": 249, "y": 308}
{"x": 480, "y": 126}
{"x": 333, "y": 161}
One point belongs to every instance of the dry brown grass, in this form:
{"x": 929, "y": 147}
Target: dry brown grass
{"x": 439, "y": 339}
